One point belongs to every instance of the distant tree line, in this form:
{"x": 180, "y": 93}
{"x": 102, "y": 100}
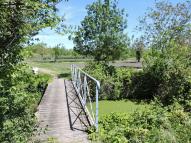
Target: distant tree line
{"x": 42, "y": 52}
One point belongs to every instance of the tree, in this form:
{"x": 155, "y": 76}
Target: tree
{"x": 101, "y": 33}
{"x": 39, "y": 48}
{"x": 57, "y": 52}
{"x": 166, "y": 70}
{"x": 20, "y": 20}
{"x": 167, "y": 23}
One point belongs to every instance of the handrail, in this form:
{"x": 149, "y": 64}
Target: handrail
{"x": 83, "y": 84}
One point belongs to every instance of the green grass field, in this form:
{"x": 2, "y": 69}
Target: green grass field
{"x": 61, "y": 69}
{"x": 122, "y": 106}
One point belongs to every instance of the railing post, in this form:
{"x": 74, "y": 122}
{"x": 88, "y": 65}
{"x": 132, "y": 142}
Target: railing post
{"x": 97, "y": 107}
{"x": 79, "y": 80}
{"x": 72, "y": 72}
{"x": 74, "y": 75}
{"x": 85, "y": 90}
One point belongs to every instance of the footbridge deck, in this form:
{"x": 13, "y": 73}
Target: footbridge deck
{"x": 66, "y": 112}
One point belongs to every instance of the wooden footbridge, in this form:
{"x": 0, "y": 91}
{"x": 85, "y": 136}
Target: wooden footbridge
{"x": 66, "y": 109}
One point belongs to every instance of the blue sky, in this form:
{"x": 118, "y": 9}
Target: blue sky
{"x": 74, "y": 12}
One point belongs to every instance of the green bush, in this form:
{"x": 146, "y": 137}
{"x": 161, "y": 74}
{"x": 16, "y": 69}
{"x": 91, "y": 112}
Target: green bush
{"x": 143, "y": 86}
{"x": 153, "y": 125}
{"x": 20, "y": 94}
{"x": 114, "y": 81}
{"x": 165, "y": 76}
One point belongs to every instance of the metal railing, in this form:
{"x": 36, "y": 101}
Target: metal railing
{"x": 87, "y": 89}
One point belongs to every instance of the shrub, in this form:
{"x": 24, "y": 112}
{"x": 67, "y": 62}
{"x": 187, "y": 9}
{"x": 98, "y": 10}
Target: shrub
{"x": 114, "y": 81}
{"x": 165, "y": 76}
{"x": 19, "y": 98}
{"x": 143, "y": 86}
{"x": 154, "y": 125}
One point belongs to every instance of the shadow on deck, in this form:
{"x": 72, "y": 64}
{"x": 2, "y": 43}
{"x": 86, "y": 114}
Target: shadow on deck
{"x": 78, "y": 118}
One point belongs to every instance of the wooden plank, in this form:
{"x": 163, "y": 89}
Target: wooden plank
{"x": 53, "y": 114}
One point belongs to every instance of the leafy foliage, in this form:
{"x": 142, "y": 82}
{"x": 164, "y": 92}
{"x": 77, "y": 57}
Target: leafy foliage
{"x": 165, "y": 77}
{"x": 101, "y": 33}
{"x": 167, "y": 22}
{"x": 114, "y": 81}
{"x": 19, "y": 89}
{"x": 19, "y": 98}
{"x": 166, "y": 73}
{"x": 20, "y": 20}
{"x": 153, "y": 125}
